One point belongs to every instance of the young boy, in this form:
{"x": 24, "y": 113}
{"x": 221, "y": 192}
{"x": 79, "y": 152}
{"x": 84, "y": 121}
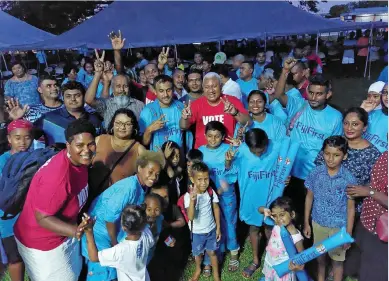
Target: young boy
{"x": 214, "y": 156}
{"x": 327, "y": 200}
{"x": 204, "y": 213}
{"x": 192, "y": 157}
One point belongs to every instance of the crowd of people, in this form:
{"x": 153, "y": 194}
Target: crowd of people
{"x": 161, "y": 165}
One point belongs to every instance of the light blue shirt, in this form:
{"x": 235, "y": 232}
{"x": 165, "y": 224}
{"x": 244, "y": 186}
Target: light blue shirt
{"x": 171, "y": 131}
{"x": 108, "y": 206}
{"x": 258, "y": 69}
{"x": 246, "y": 87}
{"x": 377, "y": 130}
{"x": 215, "y": 160}
{"x": 167, "y": 71}
{"x": 272, "y": 125}
{"x": 41, "y": 56}
{"x": 310, "y": 130}
{"x": 255, "y": 175}
{"x": 6, "y": 226}
{"x": 277, "y": 109}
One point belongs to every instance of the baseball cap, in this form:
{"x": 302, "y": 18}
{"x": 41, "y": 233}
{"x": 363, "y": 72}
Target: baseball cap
{"x": 377, "y": 87}
{"x": 220, "y": 58}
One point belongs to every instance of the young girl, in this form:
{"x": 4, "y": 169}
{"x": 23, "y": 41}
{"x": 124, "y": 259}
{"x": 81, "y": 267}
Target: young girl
{"x": 129, "y": 257}
{"x": 282, "y": 213}
{"x": 154, "y": 218}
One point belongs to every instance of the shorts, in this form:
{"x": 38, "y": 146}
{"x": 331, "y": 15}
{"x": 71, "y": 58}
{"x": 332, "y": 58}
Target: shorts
{"x": 11, "y": 250}
{"x": 320, "y": 233}
{"x": 204, "y": 242}
{"x": 347, "y": 60}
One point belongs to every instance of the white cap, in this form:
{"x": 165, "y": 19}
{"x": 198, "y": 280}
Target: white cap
{"x": 220, "y": 58}
{"x": 377, "y": 87}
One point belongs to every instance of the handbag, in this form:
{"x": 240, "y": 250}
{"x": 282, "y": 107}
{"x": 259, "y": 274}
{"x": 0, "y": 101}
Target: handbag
{"x": 382, "y": 227}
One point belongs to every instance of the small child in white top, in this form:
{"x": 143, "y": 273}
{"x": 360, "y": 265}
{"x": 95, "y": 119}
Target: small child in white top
{"x": 129, "y": 257}
{"x": 282, "y": 214}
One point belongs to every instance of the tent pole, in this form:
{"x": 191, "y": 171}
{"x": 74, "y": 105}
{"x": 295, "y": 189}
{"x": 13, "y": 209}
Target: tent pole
{"x": 219, "y": 44}
{"x": 265, "y": 41}
{"x": 128, "y": 50}
{"x": 317, "y": 42}
{"x": 5, "y": 63}
{"x": 175, "y": 52}
{"x": 368, "y": 51}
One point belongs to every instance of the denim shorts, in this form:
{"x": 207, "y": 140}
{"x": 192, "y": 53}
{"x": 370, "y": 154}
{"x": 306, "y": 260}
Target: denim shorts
{"x": 204, "y": 242}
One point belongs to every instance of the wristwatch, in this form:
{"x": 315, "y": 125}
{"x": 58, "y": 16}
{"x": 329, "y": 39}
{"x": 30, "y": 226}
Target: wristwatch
{"x": 371, "y": 192}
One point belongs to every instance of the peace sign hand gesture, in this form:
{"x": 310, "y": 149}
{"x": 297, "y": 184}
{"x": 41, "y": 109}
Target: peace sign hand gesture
{"x": 233, "y": 141}
{"x": 186, "y": 112}
{"x": 241, "y": 131}
{"x": 162, "y": 58}
{"x": 98, "y": 57}
{"x": 230, "y": 154}
{"x": 117, "y": 40}
{"x": 229, "y": 107}
{"x": 168, "y": 150}
{"x": 157, "y": 124}
{"x": 98, "y": 66}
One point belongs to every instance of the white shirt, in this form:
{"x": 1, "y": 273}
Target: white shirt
{"x": 129, "y": 257}
{"x": 232, "y": 88}
{"x": 203, "y": 221}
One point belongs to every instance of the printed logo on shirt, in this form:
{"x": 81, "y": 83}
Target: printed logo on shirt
{"x": 216, "y": 172}
{"x": 259, "y": 175}
{"x": 304, "y": 129}
{"x": 82, "y": 197}
{"x": 139, "y": 250}
{"x": 375, "y": 139}
{"x": 207, "y": 119}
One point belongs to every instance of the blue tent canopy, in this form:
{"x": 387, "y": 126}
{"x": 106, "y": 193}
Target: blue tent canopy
{"x": 158, "y": 23}
{"x": 16, "y": 32}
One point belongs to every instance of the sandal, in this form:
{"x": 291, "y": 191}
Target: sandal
{"x": 207, "y": 272}
{"x": 233, "y": 265}
{"x": 249, "y": 271}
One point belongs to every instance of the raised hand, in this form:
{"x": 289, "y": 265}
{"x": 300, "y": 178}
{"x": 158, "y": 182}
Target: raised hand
{"x": 117, "y": 40}
{"x": 14, "y": 110}
{"x": 230, "y": 154}
{"x": 158, "y": 124}
{"x": 162, "y": 58}
{"x": 186, "y": 112}
{"x": 229, "y": 107}
{"x": 99, "y": 66}
{"x": 193, "y": 193}
{"x": 98, "y": 57}
{"x": 289, "y": 63}
{"x": 241, "y": 131}
{"x": 168, "y": 150}
{"x": 107, "y": 76}
{"x": 368, "y": 105}
{"x": 86, "y": 225}
{"x": 233, "y": 141}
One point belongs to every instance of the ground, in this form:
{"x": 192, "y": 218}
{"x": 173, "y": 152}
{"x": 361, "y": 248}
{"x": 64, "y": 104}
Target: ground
{"x": 348, "y": 92}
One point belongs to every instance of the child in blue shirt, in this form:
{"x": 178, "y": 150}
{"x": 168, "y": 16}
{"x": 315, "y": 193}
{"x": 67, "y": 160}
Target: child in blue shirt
{"x": 328, "y": 203}
{"x": 214, "y": 156}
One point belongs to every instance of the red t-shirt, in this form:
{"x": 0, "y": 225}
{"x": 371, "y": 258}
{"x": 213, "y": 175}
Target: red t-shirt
{"x": 58, "y": 189}
{"x": 150, "y": 97}
{"x": 203, "y": 112}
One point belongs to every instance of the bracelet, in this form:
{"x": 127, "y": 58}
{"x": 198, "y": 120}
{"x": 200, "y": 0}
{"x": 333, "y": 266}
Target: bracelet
{"x": 236, "y": 113}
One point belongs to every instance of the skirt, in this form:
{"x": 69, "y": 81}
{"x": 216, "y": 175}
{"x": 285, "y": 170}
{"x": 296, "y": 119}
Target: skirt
{"x": 63, "y": 263}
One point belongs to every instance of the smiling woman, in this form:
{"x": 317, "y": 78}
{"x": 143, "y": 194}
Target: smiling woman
{"x": 58, "y": 191}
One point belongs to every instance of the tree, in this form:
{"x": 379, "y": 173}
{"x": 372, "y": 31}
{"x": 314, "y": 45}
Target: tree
{"x": 337, "y": 10}
{"x": 53, "y": 16}
{"x": 368, "y": 4}
{"x": 310, "y": 6}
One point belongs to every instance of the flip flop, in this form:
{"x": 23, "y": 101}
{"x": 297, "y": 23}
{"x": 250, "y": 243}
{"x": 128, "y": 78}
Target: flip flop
{"x": 207, "y": 272}
{"x": 233, "y": 263}
{"x": 248, "y": 271}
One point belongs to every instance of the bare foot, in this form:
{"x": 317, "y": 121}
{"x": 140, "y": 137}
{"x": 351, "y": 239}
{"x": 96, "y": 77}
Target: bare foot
{"x": 196, "y": 275}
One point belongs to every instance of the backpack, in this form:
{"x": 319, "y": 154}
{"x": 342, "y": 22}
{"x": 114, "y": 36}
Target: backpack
{"x": 16, "y": 178}
{"x": 181, "y": 204}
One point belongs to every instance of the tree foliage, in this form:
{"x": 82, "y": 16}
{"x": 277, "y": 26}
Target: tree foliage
{"x": 310, "y": 6}
{"x": 368, "y": 4}
{"x": 53, "y": 16}
{"x": 337, "y": 10}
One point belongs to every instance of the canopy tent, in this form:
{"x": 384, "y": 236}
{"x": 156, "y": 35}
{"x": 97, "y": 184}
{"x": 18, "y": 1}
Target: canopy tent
{"x": 158, "y": 23}
{"x": 16, "y": 32}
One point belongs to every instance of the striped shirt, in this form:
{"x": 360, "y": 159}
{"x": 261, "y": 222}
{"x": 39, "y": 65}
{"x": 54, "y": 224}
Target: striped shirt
{"x": 36, "y": 111}
{"x": 108, "y": 107}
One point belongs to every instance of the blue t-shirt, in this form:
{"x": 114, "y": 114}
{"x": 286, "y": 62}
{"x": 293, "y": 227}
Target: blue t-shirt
{"x": 272, "y": 125}
{"x": 41, "y": 56}
{"x": 215, "y": 160}
{"x": 108, "y": 206}
{"x": 377, "y": 130}
{"x": 384, "y": 75}
{"x": 167, "y": 71}
{"x": 277, "y": 109}
{"x": 81, "y": 75}
{"x": 171, "y": 131}
{"x": 25, "y": 92}
{"x": 310, "y": 130}
{"x": 329, "y": 207}
{"x": 159, "y": 224}
{"x": 256, "y": 176}
{"x": 246, "y": 87}
{"x": 258, "y": 69}
{"x": 6, "y": 226}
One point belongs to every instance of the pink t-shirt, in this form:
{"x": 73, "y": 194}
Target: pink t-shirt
{"x": 58, "y": 189}
{"x": 363, "y": 41}
{"x": 203, "y": 112}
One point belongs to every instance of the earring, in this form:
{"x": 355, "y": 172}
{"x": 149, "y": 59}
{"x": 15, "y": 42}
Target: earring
{"x": 68, "y": 155}
{"x": 136, "y": 132}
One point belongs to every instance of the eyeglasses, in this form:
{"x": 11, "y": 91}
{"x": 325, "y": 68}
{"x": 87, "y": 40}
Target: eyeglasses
{"x": 385, "y": 92}
{"x": 121, "y": 124}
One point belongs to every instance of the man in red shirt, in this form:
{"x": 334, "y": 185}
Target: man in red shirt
{"x": 46, "y": 231}
{"x": 151, "y": 71}
{"x": 213, "y": 106}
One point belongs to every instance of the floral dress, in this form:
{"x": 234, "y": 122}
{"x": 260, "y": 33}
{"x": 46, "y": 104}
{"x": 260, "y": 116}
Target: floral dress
{"x": 276, "y": 254}
{"x": 25, "y": 91}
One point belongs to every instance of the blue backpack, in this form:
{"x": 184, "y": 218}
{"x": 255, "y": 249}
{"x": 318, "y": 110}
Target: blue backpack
{"x": 16, "y": 178}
